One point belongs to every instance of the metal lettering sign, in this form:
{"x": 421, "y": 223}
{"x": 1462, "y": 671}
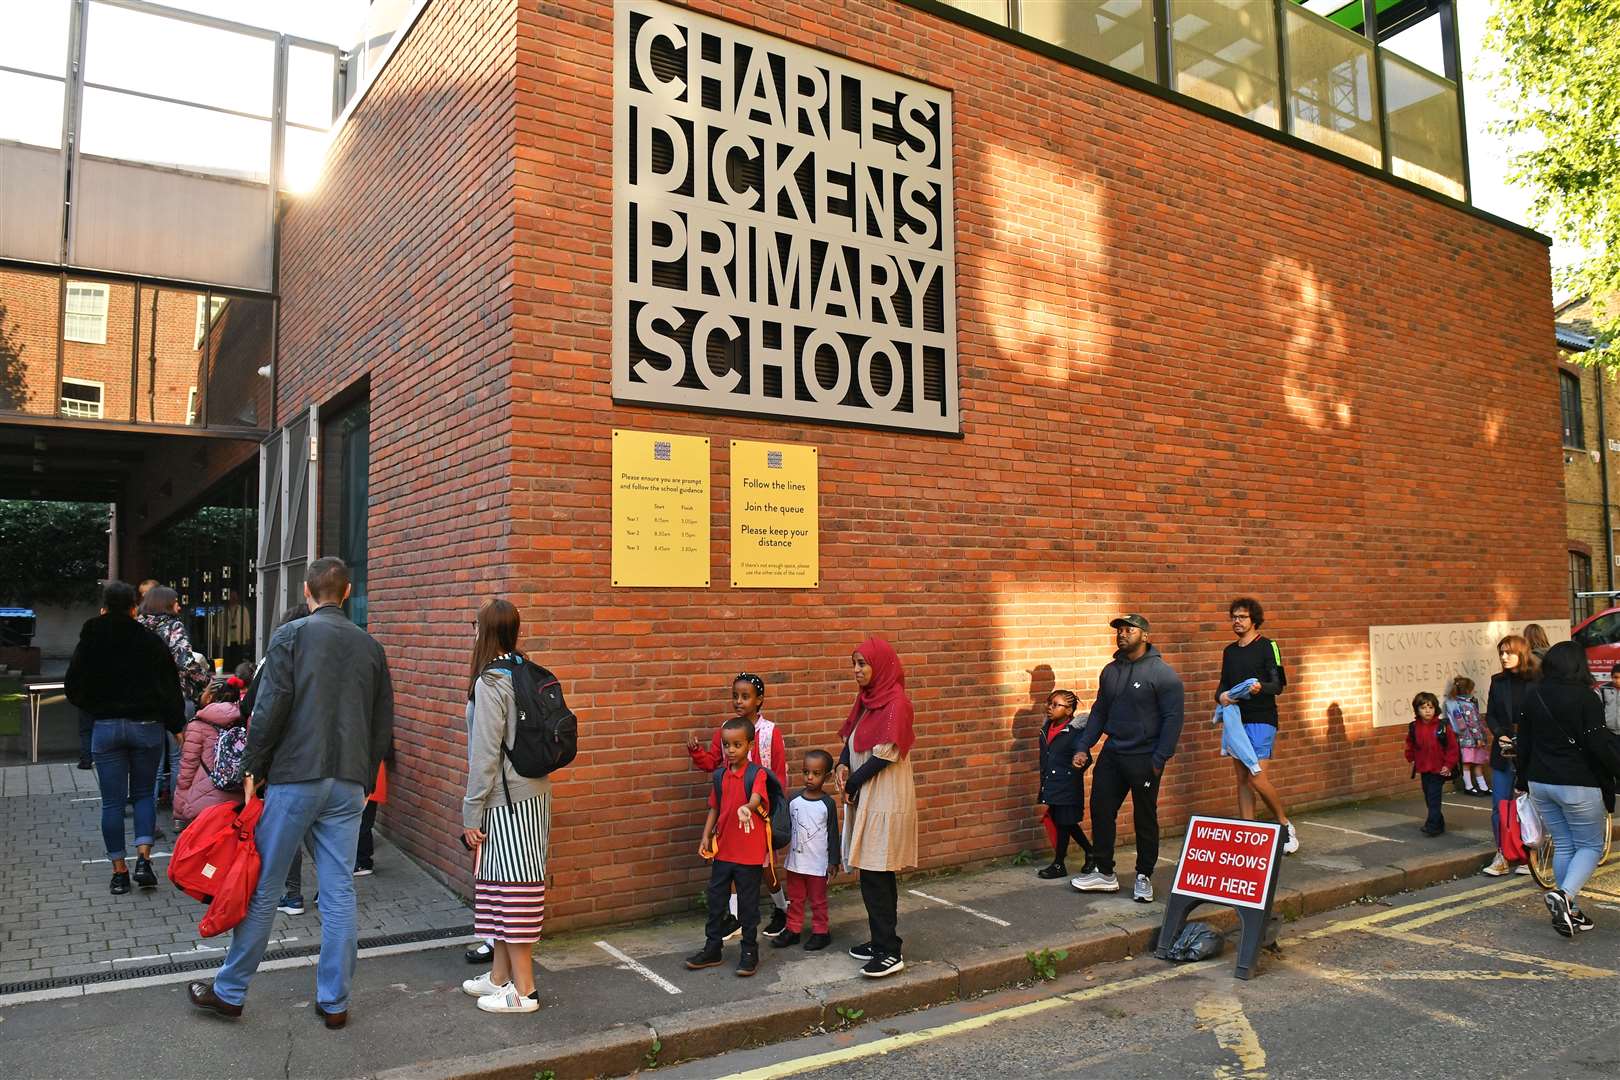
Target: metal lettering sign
{"x": 782, "y": 229}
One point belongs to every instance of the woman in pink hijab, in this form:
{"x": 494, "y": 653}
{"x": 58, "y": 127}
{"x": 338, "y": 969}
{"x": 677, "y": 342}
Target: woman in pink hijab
{"x": 880, "y": 824}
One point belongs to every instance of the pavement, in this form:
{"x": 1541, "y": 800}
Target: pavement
{"x": 63, "y": 930}
{"x": 617, "y": 1000}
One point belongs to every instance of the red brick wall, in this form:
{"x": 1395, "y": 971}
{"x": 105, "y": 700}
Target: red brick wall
{"x": 1193, "y": 363}
{"x": 399, "y": 266}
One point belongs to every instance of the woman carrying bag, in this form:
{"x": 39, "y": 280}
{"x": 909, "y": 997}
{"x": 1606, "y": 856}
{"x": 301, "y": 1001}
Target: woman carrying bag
{"x": 1567, "y": 764}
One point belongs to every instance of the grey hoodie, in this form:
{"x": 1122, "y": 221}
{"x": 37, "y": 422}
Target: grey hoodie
{"x": 1139, "y": 706}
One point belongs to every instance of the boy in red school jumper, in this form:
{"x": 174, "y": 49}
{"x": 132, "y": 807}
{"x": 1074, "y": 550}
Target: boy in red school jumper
{"x": 734, "y": 837}
{"x": 768, "y": 749}
{"x": 1432, "y": 749}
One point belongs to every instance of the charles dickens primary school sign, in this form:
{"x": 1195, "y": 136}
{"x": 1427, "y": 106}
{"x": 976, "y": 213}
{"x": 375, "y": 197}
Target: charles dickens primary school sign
{"x": 782, "y": 229}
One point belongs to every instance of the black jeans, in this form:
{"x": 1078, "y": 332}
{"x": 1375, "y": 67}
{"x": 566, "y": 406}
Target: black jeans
{"x": 1434, "y": 785}
{"x": 365, "y": 848}
{"x": 721, "y": 879}
{"x": 880, "y": 892}
{"x": 1116, "y": 776}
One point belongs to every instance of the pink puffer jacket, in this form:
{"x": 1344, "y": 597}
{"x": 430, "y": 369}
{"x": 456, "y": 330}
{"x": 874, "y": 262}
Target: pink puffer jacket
{"x": 196, "y": 792}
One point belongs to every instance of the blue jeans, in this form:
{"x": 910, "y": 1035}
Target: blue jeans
{"x": 327, "y": 813}
{"x": 126, "y": 753}
{"x": 1577, "y": 820}
{"x": 168, "y": 769}
{"x": 1501, "y": 792}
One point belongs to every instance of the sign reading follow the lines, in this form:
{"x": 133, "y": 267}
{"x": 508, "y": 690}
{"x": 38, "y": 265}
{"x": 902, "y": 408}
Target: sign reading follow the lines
{"x": 782, "y": 228}
{"x": 775, "y": 516}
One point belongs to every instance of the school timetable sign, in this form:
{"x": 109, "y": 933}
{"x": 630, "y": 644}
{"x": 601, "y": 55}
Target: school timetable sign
{"x": 782, "y": 228}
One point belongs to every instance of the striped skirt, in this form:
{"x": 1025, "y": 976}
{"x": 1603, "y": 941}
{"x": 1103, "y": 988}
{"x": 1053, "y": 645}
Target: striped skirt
{"x": 509, "y": 887}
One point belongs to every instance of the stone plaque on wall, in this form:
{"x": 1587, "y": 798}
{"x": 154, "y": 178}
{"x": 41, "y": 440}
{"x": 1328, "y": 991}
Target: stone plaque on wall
{"x": 782, "y": 228}
{"x": 1407, "y": 660}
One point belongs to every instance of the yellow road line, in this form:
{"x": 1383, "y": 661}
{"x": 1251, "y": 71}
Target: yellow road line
{"x": 1223, "y": 1014}
{"x": 1567, "y": 967}
{"x": 1462, "y": 909}
{"x": 1341, "y": 975}
{"x": 1363, "y": 921}
{"x": 957, "y": 1027}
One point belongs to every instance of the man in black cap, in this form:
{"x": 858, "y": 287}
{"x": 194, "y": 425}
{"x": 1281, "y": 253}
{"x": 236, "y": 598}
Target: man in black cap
{"x": 1139, "y": 706}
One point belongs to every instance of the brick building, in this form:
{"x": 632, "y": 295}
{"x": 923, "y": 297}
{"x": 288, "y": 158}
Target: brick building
{"x": 1589, "y": 406}
{"x": 1193, "y": 358}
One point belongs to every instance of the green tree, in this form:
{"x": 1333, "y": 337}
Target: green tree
{"x": 1561, "y": 84}
{"x": 51, "y": 552}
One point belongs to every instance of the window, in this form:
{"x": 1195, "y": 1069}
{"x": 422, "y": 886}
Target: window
{"x": 191, "y": 407}
{"x": 1580, "y": 580}
{"x": 1569, "y": 397}
{"x": 208, "y": 308}
{"x": 1603, "y": 630}
{"x": 81, "y": 399}
{"x": 345, "y": 494}
{"x": 86, "y": 313}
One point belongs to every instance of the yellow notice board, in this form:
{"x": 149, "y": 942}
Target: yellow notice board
{"x": 775, "y": 516}
{"x": 660, "y": 510}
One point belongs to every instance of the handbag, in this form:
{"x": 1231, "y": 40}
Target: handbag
{"x": 1531, "y": 830}
{"x": 1511, "y": 842}
{"x": 205, "y": 852}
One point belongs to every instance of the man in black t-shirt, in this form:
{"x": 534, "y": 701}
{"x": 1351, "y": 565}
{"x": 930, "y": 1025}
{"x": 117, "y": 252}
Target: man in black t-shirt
{"x": 1255, "y": 657}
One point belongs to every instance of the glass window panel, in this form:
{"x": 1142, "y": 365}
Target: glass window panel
{"x": 168, "y": 361}
{"x": 310, "y": 75}
{"x": 81, "y": 399}
{"x": 177, "y": 59}
{"x": 28, "y": 322}
{"x": 1425, "y": 141}
{"x": 159, "y": 133}
{"x": 1117, "y": 32}
{"x": 1224, "y": 52}
{"x": 303, "y": 154}
{"x": 1330, "y": 87}
{"x": 345, "y": 496}
{"x": 98, "y": 334}
{"x": 36, "y": 36}
{"x": 32, "y": 110}
{"x": 238, "y": 351}
{"x": 994, "y": 10}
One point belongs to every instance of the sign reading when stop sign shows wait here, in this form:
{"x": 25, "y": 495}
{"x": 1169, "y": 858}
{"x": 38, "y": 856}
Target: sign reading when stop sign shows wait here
{"x": 1229, "y": 862}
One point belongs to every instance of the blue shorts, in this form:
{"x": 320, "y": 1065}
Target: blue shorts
{"x": 1261, "y": 736}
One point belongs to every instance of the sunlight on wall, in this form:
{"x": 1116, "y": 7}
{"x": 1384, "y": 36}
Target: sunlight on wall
{"x": 1315, "y": 360}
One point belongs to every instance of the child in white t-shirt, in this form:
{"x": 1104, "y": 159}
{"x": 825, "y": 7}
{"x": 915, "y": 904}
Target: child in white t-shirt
{"x": 812, "y": 855}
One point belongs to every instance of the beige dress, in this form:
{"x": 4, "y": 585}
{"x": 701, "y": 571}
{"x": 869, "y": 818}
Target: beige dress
{"x": 880, "y": 832}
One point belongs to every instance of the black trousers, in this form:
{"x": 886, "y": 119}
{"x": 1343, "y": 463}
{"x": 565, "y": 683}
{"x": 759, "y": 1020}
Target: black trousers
{"x": 366, "y": 846}
{"x": 1434, "y": 785}
{"x": 880, "y": 892}
{"x": 1116, "y": 776}
{"x": 721, "y": 879}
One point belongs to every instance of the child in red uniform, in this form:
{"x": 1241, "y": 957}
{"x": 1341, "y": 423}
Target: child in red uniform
{"x": 1432, "y": 749}
{"x": 769, "y": 750}
{"x": 735, "y": 839}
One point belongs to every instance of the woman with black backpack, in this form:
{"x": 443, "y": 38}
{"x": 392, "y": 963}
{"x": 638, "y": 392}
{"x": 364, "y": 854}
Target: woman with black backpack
{"x": 506, "y": 820}
{"x": 1566, "y": 764}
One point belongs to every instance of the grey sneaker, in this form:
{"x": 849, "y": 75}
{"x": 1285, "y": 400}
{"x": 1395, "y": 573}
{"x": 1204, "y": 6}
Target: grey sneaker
{"x": 1096, "y": 881}
{"x": 1291, "y": 840}
{"x": 1143, "y": 893}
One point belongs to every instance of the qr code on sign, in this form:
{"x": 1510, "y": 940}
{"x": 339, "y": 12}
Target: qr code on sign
{"x": 661, "y": 451}
{"x": 773, "y": 459}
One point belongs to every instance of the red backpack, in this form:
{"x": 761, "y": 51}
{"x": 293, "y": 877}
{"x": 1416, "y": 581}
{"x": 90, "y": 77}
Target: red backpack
{"x": 210, "y": 847}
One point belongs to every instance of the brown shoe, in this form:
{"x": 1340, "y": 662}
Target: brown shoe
{"x": 202, "y": 995}
{"x": 333, "y": 1020}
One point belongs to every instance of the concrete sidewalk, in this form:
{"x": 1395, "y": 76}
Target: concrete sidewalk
{"x": 619, "y": 1000}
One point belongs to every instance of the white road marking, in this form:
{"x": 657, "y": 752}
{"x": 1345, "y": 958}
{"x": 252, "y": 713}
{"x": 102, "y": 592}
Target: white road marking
{"x": 91, "y": 798}
{"x": 1465, "y": 805}
{"x": 960, "y": 907}
{"x": 639, "y": 968}
{"x": 1353, "y": 832}
{"x": 155, "y": 856}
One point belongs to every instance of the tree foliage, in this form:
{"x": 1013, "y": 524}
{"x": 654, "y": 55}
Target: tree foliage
{"x": 51, "y": 552}
{"x": 1561, "y": 84}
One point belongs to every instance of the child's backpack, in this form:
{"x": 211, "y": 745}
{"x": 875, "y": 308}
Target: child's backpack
{"x": 780, "y": 817}
{"x": 229, "y": 750}
{"x": 547, "y": 733}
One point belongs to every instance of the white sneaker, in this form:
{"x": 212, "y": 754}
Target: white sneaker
{"x": 482, "y": 986}
{"x": 508, "y": 1000}
{"x": 1291, "y": 845}
{"x": 1523, "y": 869}
{"x": 1143, "y": 893}
{"x": 1095, "y": 882}
{"x": 1497, "y": 868}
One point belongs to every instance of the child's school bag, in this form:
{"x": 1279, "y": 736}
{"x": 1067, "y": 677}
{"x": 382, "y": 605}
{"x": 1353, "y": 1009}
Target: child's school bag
{"x": 229, "y": 750}
{"x": 779, "y": 818}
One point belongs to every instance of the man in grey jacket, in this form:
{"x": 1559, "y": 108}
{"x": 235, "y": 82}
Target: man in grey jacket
{"x": 1140, "y": 706}
{"x": 322, "y": 721}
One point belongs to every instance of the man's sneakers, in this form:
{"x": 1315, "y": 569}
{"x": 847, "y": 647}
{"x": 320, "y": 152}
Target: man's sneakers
{"x": 1562, "y": 917}
{"x": 1051, "y": 873}
{"x": 748, "y": 962}
{"x": 120, "y": 882}
{"x": 1143, "y": 892}
{"x": 506, "y": 999}
{"x": 880, "y": 966}
{"x": 731, "y": 928}
{"x": 363, "y": 870}
{"x": 294, "y": 905}
{"x": 1095, "y": 881}
{"x": 706, "y": 957}
{"x": 777, "y": 924}
{"x": 784, "y": 939}
{"x": 481, "y": 986}
{"x": 1290, "y": 845}
{"x": 1498, "y": 867}
{"x": 1578, "y": 917}
{"x": 863, "y": 952}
